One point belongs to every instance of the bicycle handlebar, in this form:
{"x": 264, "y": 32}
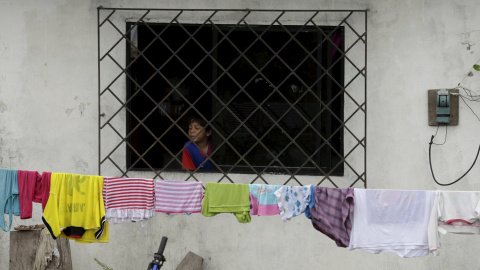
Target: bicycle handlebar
{"x": 158, "y": 258}
{"x": 161, "y": 248}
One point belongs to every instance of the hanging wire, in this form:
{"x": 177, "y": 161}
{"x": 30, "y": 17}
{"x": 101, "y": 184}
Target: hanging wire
{"x": 470, "y": 108}
{"x": 431, "y": 169}
{"x": 469, "y": 97}
{"x": 438, "y": 126}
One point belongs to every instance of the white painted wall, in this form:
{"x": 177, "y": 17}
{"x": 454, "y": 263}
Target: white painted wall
{"x": 48, "y": 122}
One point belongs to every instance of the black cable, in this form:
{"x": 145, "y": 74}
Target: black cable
{"x": 444, "y": 141}
{"x": 431, "y": 169}
{"x": 471, "y": 98}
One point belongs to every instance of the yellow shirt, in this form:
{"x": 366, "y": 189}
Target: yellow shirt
{"x": 75, "y": 207}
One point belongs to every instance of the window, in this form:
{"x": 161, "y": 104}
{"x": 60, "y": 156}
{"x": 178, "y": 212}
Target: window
{"x": 272, "y": 95}
{"x": 283, "y": 94}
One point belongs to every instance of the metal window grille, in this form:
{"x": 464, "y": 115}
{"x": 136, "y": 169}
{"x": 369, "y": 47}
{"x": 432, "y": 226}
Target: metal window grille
{"x": 342, "y": 146}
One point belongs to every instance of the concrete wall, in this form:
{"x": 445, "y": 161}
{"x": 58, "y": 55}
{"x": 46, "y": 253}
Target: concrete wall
{"x": 48, "y": 122}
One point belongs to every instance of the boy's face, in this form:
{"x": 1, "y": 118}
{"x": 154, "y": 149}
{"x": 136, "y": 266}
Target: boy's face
{"x": 197, "y": 133}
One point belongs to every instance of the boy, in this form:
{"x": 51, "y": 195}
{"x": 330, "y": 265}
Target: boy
{"x": 194, "y": 153}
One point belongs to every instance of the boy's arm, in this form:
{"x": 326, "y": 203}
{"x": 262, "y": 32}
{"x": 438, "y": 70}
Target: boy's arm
{"x": 187, "y": 161}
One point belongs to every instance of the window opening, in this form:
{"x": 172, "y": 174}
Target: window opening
{"x": 262, "y": 90}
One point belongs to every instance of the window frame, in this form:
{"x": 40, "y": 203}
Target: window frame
{"x": 110, "y": 21}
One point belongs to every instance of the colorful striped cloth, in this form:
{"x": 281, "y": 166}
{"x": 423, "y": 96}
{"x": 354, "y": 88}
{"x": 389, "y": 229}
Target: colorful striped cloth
{"x": 331, "y": 212}
{"x": 178, "y": 197}
{"x": 128, "y": 199}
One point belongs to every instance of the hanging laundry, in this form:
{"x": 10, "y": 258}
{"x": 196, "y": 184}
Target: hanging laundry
{"x": 310, "y": 204}
{"x": 459, "y": 212}
{"x": 30, "y": 187}
{"x": 454, "y": 212}
{"x": 179, "y": 197}
{"x": 45, "y": 188}
{"x": 392, "y": 220}
{"x": 263, "y": 200}
{"x": 9, "y": 200}
{"x": 434, "y": 242}
{"x": 227, "y": 198}
{"x": 75, "y": 206}
{"x": 292, "y": 200}
{"x": 331, "y": 211}
{"x": 128, "y": 199}
{"x": 90, "y": 236}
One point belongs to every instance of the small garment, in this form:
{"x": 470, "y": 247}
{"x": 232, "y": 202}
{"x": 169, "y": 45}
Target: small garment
{"x": 310, "y": 204}
{"x": 459, "y": 212}
{"x": 128, "y": 199}
{"x": 30, "y": 188}
{"x": 454, "y": 212}
{"x": 227, "y": 198}
{"x": 75, "y": 206}
{"x": 179, "y": 197}
{"x": 263, "y": 200}
{"x": 392, "y": 220}
{"x": 9, "y": 196}
{"x": 292, "y": 200}
{"x": 45, "y": 188}
{"x": 332, "y": 213}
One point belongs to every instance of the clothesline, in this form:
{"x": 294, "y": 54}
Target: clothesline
{"x": 405, "y": 222}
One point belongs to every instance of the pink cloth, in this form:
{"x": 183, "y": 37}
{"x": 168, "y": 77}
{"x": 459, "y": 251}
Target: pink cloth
{"x": 128, "y": 199}
{"x": 128, "y": 193}
{"x": 263, "y": 201}
{"x": 30, "y": 189}
{"x": 45, "y": 190}
{"x": 178, "y": 196}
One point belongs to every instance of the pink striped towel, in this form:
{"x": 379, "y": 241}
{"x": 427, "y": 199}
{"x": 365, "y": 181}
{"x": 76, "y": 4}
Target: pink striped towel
{"x": 178, "y": 197}
{"x": 128, "y": 199}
